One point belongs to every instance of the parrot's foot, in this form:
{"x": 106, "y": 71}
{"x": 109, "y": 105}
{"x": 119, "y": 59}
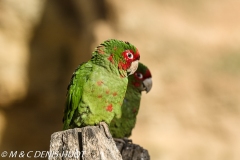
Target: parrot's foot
{"x": 127, "y": 140}
{"x": 120, "y": 140}
{"x": 124, "y": 140}
{"x": 106, "y": 130}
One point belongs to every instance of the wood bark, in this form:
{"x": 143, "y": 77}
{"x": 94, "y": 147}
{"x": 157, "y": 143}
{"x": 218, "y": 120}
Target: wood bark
{"x": 87, "y": 143}
{"x": 93, "y": 143}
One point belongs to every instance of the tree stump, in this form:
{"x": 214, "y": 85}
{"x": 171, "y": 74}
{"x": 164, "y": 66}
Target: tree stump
{"x": 87, "y": 143}
{"x": 131, "y": 151}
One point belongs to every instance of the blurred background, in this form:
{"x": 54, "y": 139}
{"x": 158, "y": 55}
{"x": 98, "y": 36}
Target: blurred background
{"x": 191, "y": 47}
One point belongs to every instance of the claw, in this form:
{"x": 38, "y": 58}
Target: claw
{"x": 127, "y": 140}
{"x": 119, "y": 140}
{"x": 124, "y": 140}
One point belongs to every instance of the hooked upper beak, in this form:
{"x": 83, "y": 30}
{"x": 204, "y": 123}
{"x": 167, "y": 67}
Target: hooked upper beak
{"x": 147, "y": 85}
{"x": 133, "y": 67}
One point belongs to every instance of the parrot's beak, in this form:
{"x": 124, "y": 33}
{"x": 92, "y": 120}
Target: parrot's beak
{"x": 147, "y": 85}
{"x": 133, "y": 67}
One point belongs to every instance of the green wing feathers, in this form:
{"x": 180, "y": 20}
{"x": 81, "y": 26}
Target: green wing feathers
{"x": 74, "y": 94}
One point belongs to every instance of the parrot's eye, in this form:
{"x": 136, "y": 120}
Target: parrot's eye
{"x": 130, "y": 55}
{"x": 139, "y": 75}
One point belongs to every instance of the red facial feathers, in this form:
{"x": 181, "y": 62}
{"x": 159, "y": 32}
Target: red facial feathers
{"x": 129, "y": 57}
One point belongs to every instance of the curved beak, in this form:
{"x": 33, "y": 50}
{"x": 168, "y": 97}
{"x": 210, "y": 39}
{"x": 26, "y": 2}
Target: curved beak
{"x": 147, "y": 85}
{"x": 133, "y": 67}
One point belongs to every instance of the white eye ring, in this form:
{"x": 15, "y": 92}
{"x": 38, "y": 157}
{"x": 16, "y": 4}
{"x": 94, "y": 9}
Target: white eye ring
{"x": 139, "y": 75}
{"x": 129, "y": 55}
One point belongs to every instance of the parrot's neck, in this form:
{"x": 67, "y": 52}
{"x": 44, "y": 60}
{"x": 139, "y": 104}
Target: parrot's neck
{"x": 132, "y": 100}
{"x": 109, "y": 66}
{"x": 133, "y": 88}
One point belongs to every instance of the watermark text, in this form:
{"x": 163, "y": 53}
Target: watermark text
{"x": 42, "y": 154}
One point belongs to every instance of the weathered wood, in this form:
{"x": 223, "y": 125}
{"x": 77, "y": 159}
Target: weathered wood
{"x": 87, "y": 143}
{"x": 131, "y": 151}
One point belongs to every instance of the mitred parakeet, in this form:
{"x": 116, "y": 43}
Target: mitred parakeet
{"x": 97, "y": 87}
{"x": 140, "y": 81}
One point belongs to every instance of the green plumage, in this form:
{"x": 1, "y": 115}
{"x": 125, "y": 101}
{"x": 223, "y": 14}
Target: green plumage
{"x": 97, "y": 87}
{"x": 122, "y": 127}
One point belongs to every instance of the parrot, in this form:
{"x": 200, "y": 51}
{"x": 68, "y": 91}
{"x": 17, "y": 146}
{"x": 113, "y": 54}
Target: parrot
{"x": 97, "y": 87}
{"x": 141, "y": 80}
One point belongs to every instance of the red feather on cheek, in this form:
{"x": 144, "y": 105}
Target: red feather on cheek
{"x": 127, "y": 63}
{"x": 123, "y": 65}
{"x": 136, "y": 84}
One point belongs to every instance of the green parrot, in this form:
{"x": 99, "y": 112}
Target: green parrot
{"x": 140, "y": 81}
{"x": 97, "y": 87}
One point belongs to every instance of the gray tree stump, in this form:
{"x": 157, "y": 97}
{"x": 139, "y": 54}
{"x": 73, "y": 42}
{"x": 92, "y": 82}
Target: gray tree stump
{"x": 87, "y": 143}
{"x": 131, "y": 151}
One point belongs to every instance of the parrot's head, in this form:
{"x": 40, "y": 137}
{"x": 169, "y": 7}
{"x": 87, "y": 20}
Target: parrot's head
{"x": 141, "y": 79}
{"x": 123, "y": 55}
